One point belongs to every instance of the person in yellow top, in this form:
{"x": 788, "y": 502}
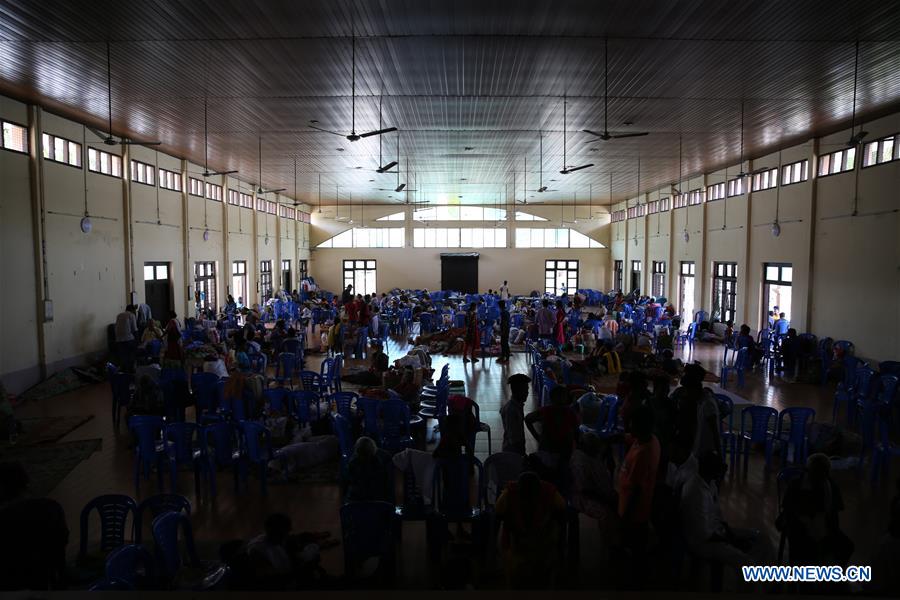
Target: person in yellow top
{"x": 532, "y": 513}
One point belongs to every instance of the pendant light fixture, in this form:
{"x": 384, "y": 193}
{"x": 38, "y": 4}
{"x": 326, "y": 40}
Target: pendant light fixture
{"x": 638, "y": 192}
{"x": 687, "y": 218}
{"x": 776, "y": 227}
{"x": 86, "y": 224}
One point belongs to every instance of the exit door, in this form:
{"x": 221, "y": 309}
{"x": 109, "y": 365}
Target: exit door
{"x": 158, "y": 290}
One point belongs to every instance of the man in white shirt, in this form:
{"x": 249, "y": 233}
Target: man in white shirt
{"x": 126, "y": 337}
{"x": 504, "y": 291}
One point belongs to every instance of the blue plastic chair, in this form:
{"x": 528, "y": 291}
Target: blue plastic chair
{"x": 277, "y": 401}
{"x": 326, "y": 373}
{"x": 362, "y": 342}
{"x": 344, "y": 433}
{"x": 256, "y": 449}
{"x": 113, "y": 510}
{"x": 150, "y": 448}
{"x": 222, "y": 449}
{"x": 607, "y": 425}
{"x": 132, "y": 565}
{"x": 301, "y": 400}
{"x": 845, "y": 394}
{"x": 176, "y": 393}
{"x": 371, "y": 413}
{"x": 120, "y": 386}
{"x": 343, "y": 403}
{"x": 334, "y": 382}
{"x": 205, "y": 389}
{"x": 758, "y": 432}
{"x": 739, "y": 364}
{"x": 865, "y": 387}
{"x": 183, "y": 447}
{"x": 424, "y": 323}
{"x": 312, "y": 382}
{"x": 154, "y": 506}
{"x": 368, "y": 531}
{"x": 395, "y": 425}
{"x": 167, "y": 529}
{"x": 284, "y": 369}
{"x": 726, "y": 427}
{"x": 794, "y": 436}
{"x": 451, "y": 492}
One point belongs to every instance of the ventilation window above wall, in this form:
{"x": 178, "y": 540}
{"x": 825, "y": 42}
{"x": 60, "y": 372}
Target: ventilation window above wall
{"x": 836, "y": 162}
{"x": 652, "y": 207}
{"x": 618, "y": 216}
{"x": 881, "y": 151}
{"x": 60, "y": 150}
{"x": 795, "y": 172}
{"x": 15, "y": 137}
{"x": 142, "y": 172}
{"x": 695, "y": 197}
{"x": 104, "y": 162}
{"x": 169, "y": 180}
{"x": 196, "y": 187}
{"x": 736, "y": 186}
{"x": 765, "y": 180}
{"x": 213, "y": 191}
{"x": 664, "y": 204}
{"x": 246, "y": 200}
{"x": 680, "y": 200}
{"x": 234, "y": 198}
{"x": 715, "y": 192}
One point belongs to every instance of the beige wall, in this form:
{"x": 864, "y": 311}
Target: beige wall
{"x": 90, "y": 277}
{"x": 846, "y": 269}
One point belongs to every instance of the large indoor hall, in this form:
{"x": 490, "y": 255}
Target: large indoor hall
{"x": 498, "y": 295}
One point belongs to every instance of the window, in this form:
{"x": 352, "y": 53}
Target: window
{"x": 679, "y": 200}
{"x": 795, "y": 172}
{"x": 385, "y": 237}
{"x": 234, "y": 198}
{"x": 561, "y": 276}
{"x": 60, "y": 149}
{"x": 636, "y": 211}
{"x": 715, "y": 192}
{"x": 196, "y": 187}
{"x": 393, "y": 217}
{"x": 169, "y": 180}
{"x": 765, "y": 180}
{"x": 205, "y": 285}
{"x": 664, "y": 204}
{"x": 303, "y": 217}
{"x": 652, "y": 207}
{"x": 658, "y": 283}
{"x": 466, "y": 237}
{"x": 635, "y": 275}
{"x": 287, "y": 281}
{"x": 15, "y": 137}
{"x": 142, "y": 172}
{"x": 213, "y": 191}
{"x": 104, "y": 162}
{"x": 618, "y": 271}
{"x": 695, "y": 197}
{"x": 523, "y": 216}
{"x": 724, "y": 291}
{"x": 617, "y": 216}
{"x": 777, "y": 281}
{"x": 239, "y": 280}
{"x": 265, "y": 280}
{"x": 246, "y": 200}
{"x": 553, "y": 238}
{"x": 361, "y": 275}
{"x": 286, "y": 212}
{"x": 837, "y": 162}
{"x": 459, "y": 213}
{"x": 736, "y": 186}
{"x": 686, "y": 291}
{"x": 304, "y": 269}
{"x": 156, "y": 271}
{"x": 881, "y": 151}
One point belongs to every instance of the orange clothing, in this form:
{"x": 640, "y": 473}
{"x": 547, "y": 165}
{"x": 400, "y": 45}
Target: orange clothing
{"x": 638, "y": 473}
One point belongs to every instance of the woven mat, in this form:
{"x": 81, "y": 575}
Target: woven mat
{"x": 46, "y": 430}
{"x": 48, "y": 465}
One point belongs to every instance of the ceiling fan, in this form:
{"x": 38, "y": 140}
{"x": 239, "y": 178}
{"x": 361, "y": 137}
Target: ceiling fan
{"x": 566, "y": 168}
{"x": 541, "y": 187}
{"x": 606, "y": 135}
{"x": 353, "y": 136}
{"x": 855, "y": 138}
{"x": 400, "y": 186}
{"x": 741, "y": 174}
{"x": 107, "y": 138}
{"x": 206, "y": 171}
{"x": 260, "y": 190}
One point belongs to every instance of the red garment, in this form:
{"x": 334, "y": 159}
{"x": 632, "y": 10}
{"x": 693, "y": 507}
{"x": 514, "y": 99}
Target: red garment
{"x": 559, "y": 330}
{"x": 363, "y": 314}
{"x": 352, "y": 311}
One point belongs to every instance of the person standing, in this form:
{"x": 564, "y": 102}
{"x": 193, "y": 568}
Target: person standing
{"x": 126, "y": 341}
{"x": 504, "y": 291}
{"x": 504, "y": 332}
{"x": 559, "y": 326}
{"x": 512, "y": 414}
{"x": 471, "y": 340}
{"x": 545, "y": 320}
{"x": 347, "y": 296}
{"x": 637, "y": 480}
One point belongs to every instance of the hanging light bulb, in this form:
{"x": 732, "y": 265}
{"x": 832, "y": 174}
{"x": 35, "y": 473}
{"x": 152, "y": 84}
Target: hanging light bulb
{"x": 86, "y": 224}
{"x": 686, "y": 236}
{"x": 776, "y": 229}
{"x": 206, "y": 235}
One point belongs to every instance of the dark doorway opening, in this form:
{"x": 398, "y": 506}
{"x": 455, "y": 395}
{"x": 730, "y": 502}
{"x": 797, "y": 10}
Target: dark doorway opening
{"x": 158, "y": 290}
{"x": 459, "y": 272}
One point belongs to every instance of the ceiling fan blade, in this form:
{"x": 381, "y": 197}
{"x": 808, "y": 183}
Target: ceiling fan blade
{"x": 378, "y": 132}
{"x": 400, "y": 187}
{"x": 215, "y": 173}
{"x": 599, "y": 139}
{"x": 594, "y": 133}
{"x": 125, "y": 142}
{"x": 386, "y": 167}
{"x": 857, "y": 138}
{"x": 628, "y": 135}
{"x": 325, "y": 130}
{"x": 542, "y": 189}
{"x": 573, "y": 169}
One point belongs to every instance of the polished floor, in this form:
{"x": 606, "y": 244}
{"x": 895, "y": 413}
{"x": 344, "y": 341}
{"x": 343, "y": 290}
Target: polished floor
{"x": 748, "y": 498}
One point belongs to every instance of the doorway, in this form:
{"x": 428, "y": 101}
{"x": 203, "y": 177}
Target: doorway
{"x": 686, "y": 292}
{"x": 158, "y": 290}
{"x": 636, "y": 276}
{"x": 777, "y": 281}
{"x": 286, "y": 281}
{"x": 459, "y": 272}
{"x": 239, "y": 281}
{"x": 205, "y": 286}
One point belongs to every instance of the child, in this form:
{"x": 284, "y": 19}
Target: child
{"x": 512, "y": 414}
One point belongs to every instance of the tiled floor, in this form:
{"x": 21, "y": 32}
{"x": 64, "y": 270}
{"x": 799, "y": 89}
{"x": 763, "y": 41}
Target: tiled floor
{"x": 748, "y": 499}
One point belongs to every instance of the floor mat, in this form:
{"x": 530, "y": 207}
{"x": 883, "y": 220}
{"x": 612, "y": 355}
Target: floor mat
{"x": 46, "y": 430}
{"x": 58, "y": 383}
{"x": 48, "y": 465}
